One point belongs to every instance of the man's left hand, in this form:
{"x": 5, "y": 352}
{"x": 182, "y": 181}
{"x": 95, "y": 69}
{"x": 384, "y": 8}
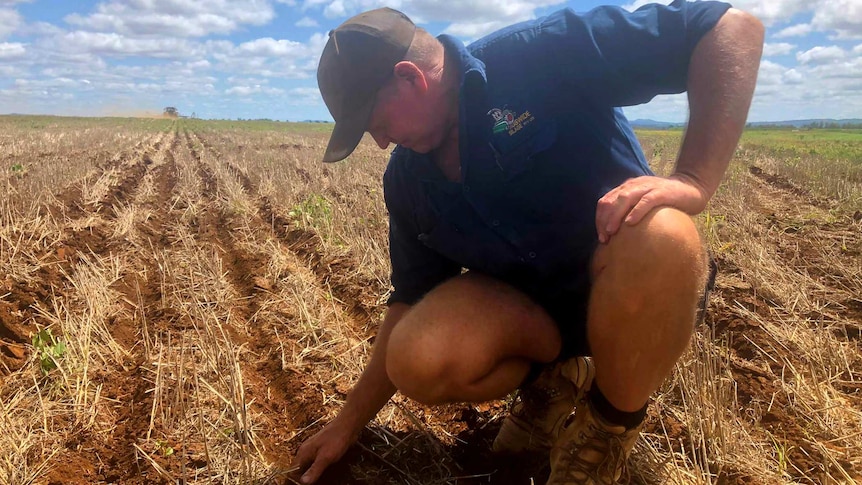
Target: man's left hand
{"x": 632, "y": 200}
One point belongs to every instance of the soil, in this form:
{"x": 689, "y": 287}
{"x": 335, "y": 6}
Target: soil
{"x": 289, "y": 403}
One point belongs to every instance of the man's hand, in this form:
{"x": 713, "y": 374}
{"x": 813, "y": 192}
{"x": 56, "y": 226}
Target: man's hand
{"x": 632, "y": 200}
{"x": 326, "y": 447}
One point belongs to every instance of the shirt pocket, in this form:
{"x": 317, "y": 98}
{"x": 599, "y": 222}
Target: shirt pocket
{"x": 515, "y": 157}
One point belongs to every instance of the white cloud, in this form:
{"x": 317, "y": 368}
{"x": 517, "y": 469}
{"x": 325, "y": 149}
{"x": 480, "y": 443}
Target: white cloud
{"x": 268, "y": 46}
{"x": 794, "y": 31}
{"x": 821, "y": 54}
{"x": 777, "y": 49}
{"x": 306, "y": 22}
{"x": 844, "y": 17}
{"x": 12, "y": 50}
{"x": 792, "y": 76}
{"x": 304, "y": 97}
{"x": 857, "y": 49}
{"x": 257, "y": 88}
{"x": 631, "y": 7}
{"x": 174, "y": 18}
{"x": 475, "y": 17}
{"x": 771, "y": 12}
{"x": 117, "y": 45}
{"x": 9, "y": 21}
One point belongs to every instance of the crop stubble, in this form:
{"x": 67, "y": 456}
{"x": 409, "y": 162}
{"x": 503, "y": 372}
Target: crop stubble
{"x": 233, "y": 329}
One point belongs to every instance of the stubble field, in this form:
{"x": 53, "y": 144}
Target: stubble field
{"x": 185, "y": 301}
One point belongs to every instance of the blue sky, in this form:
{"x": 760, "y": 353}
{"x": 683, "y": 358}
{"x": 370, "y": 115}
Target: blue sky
{"x": 257, "y": 58}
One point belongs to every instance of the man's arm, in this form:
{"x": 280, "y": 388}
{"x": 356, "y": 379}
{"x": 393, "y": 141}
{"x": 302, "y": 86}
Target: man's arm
{"x": 721, "y": 81}
{"x": 370, "y": 394}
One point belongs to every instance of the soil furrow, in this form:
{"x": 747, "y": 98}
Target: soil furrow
{"x": 282, "y": 394}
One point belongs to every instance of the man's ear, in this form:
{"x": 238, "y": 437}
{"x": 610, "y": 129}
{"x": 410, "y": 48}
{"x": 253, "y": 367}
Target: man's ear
{"x": 410, "y": 74}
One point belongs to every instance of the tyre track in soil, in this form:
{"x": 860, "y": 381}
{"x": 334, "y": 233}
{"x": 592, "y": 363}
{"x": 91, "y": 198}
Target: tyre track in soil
{"x": 758, "y": 378}
{"x": 353, "y": 295}
{"x": 91, "y": 457}
{"x": 17, "y": 309}
{"x": 470, "y": 455}
{"x": 339, "y": 275}
{"x": 803, "y": 245}
{"x": 281, "y": 394}
{"x": 70, "y": 199}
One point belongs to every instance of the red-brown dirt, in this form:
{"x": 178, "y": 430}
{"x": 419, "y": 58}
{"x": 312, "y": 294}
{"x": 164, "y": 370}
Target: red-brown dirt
{"x": 286, "y": 400}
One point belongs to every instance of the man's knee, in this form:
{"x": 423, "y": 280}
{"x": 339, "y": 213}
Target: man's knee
{"x": 418, "y": 364}
{"x": 666, "y": 238}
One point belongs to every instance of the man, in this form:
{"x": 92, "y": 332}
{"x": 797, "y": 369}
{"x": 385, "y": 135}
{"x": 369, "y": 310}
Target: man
{"x": 515, "y": 162}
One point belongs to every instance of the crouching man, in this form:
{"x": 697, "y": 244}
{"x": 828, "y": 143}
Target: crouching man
{"x": 514, "y": 161}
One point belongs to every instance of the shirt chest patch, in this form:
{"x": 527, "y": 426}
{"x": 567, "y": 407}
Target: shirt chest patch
{"x": 509, "y": 122}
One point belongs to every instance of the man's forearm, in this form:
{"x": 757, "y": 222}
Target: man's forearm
{"x": 722, "y": 76}
{"x": 374, "y": 388}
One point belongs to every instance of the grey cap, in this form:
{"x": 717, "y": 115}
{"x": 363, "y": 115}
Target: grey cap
{"x": 356, "y": 62}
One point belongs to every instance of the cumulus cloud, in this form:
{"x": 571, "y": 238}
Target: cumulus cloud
{"x": 257, "y": 88}
{"x": 794, "y": 31}
{"x": 631, "y": 7}
{"x": 9, "y": 21}
{"x": 306, "y": 22}
{"x": 304, "y": 97}
{"x": 777, "y": 49}
{"x": 169, "y": 17}
{"x": 12, "y": 50}
{"x": 821, "y": 54}
{"x": 771, "y": 12}
{"x": 268, "y": 46}
{"x": 118, "y": 45}
{"x": 483, "y": 16}
{"x": 844, "y": 17}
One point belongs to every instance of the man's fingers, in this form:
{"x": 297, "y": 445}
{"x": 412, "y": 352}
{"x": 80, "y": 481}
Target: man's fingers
{"x": 315, "y": 470}
{"x": 642, "y": 208}
{"x": 626, "y": 200}
{"x": 304, "y": 457}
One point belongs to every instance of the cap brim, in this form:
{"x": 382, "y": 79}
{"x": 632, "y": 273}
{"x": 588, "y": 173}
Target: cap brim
{"x": 347, "y": 133}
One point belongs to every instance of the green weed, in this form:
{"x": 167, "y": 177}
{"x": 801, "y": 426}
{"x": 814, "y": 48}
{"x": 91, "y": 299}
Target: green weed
{"x": 49, "y": 348}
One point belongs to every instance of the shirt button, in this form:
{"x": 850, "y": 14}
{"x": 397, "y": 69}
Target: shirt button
{"x": 466, "y": 188}
{"x": 495, "y": 223}
{"x": 532, "y": 255}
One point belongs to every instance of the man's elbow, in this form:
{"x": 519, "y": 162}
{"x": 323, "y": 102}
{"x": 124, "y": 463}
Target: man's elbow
{"x": 747, "y": 27}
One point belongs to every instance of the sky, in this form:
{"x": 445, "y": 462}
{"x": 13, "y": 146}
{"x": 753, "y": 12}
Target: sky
{"x": 258, "y": 58}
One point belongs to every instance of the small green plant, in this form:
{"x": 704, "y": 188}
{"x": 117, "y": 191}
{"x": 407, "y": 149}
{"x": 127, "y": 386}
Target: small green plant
{"x": 17, "y": 169}
{"x": 49, "y": 348}
{"x": 315, "y": 210}
{"x": 164, "y": 448}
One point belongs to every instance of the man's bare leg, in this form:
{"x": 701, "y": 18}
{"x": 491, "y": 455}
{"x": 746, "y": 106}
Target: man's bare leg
{"x": 647, "y": 281}
{"x": 472, "y": 338}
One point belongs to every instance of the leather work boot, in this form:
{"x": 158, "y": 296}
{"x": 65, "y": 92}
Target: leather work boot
{"x": 592, "y": 451}
{"x": 542, "y": 407}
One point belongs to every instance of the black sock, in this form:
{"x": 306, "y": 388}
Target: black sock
{"x": 613, "y": 415}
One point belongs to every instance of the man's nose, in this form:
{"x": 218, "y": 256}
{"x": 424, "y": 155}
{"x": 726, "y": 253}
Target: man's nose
{"x": 381, "y": 140}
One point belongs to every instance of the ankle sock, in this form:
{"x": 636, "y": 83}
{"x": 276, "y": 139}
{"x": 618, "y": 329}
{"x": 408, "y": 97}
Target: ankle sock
{"x": 613, "y": 415}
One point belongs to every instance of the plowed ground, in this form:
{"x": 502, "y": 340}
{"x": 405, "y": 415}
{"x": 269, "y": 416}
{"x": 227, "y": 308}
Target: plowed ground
{"x": 232, "y": 334}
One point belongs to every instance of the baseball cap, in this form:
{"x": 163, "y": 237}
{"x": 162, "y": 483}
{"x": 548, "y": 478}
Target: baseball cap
{"x": 356, "y": 62}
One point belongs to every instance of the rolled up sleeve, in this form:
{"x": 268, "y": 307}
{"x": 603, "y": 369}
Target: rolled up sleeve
{"x": 625, "y": 58}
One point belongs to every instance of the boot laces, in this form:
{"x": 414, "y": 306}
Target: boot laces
{"x": 592, "y": 443}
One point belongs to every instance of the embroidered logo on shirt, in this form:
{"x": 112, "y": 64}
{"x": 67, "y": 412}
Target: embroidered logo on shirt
{"x": 506, "y": 121}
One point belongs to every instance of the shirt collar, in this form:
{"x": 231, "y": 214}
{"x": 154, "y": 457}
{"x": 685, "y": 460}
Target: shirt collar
{"x": 473, "y": 81}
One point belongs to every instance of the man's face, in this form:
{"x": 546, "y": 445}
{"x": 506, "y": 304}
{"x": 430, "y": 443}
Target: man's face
{"x": 408, "y": 117}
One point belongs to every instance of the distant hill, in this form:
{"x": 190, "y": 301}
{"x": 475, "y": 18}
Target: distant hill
{"x": 639, "y": 123}
{"x": 660, "y": 125}
{"x": 809, "y": 122}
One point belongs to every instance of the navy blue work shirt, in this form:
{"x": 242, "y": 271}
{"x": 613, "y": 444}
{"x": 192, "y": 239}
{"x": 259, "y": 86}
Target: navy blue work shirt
{"x": 542, "y": 138}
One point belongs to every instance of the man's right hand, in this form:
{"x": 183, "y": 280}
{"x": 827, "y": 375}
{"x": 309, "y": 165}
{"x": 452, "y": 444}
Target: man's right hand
{"x": 369, "y": 395}
{"x": 326, "y": 447}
